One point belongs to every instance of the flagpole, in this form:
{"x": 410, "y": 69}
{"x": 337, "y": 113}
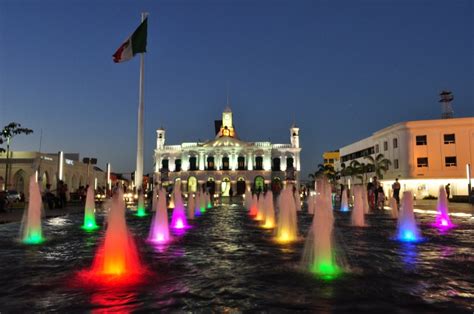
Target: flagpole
{"x": 140, "y": 131}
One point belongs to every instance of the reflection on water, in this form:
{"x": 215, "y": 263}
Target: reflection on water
{"x": 226, "y": 263}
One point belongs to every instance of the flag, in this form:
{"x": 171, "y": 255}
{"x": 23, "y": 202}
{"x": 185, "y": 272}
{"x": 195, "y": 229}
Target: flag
{"x": 133, "y": 45}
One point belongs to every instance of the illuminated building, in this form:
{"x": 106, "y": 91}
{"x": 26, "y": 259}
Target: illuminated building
{"x": 424, "y": 154}
{"x": 227, "y": 162}
{"x": 330, "y": 158}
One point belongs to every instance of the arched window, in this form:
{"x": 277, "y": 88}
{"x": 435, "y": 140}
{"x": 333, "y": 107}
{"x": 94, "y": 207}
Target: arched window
{"x": 259, "y": 184}
{"x": 241, "y": 163}
{"x": 210, "y": 163}
{"x": 177, "y": 164}
{"x": 289, "y": 163}
{"x": 192, "y": 184}
{"x": 225, "y": 163}
{"x": 193, "y": 163}
{"x": 164, "y": 164}
{"x": 259, "y": 163}
{"x": 276, "y": 164}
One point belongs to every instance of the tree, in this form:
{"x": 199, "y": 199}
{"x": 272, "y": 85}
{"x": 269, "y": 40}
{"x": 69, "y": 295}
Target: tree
{"x": 379, "y": 164}
{"x": 325, "y": 170}
{"x": 8, "y": 133}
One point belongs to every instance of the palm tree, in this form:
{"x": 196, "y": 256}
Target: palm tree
{"x": 324, "y": 170}
{"x": 379, "y": 164}
{"x": 7, "y": 134}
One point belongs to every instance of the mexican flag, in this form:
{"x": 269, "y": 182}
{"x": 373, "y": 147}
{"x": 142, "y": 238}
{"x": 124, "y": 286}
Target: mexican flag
{"x": 133, "y": 45}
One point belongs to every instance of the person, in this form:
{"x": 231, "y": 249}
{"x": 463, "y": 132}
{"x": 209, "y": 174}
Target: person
{"x": 396, "y": 191}
{"x": 370, "y": 195}
{"x": 3, "y": 201}
{"x": 61, "y": 194}
{"x": 380, "y": 197}
{"x": 448, "y": 190}
{"x": 231, "y": 192}
{"x": 48, "y": 196}
{"x": 375, "y": 188}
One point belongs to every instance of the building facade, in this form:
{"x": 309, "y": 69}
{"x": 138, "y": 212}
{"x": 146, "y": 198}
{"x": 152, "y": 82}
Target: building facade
{"x": 330, "y": 158}
{"x": 424, "y": 154}
{"x": 50, "y": 168}
{"x": 226, "y": 162}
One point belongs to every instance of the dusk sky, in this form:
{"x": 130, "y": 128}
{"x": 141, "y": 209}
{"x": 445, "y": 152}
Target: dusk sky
{"x": 339, "y": 69}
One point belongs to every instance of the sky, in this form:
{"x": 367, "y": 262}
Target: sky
{"x": 339, "y": 69}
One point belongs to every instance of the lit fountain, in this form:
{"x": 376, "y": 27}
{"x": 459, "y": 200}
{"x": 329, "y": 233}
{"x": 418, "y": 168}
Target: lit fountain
{"x": 318, "y": 255}
{"x": 208, "y": 200}
{"x": 89, "y": 211}
{"x": 344, "y": 202}
{"x": 178, "y": 220}
{"x": 442, "y": 217}
{"x": 365, "y": 199}
{"x": 116, "y": 260}
{"x": 394, "y": 207}
{"x": 310, "y": 202}
{"x": 269, "y": 209}
{"x": 31, "y": 223}
{"x": 260, "y": 208}
{"x": 407, "y": 229}
{"x": 296, "y": 196}
{"x": 159, "y": 231}
{"x": 287, "y": 228}
{"x": 253, "y": 211}
{"x": 202, "y": 203}
{"x": 247, "y": 199}
{"x": 171, "y": 202}
{"x": 191, "y": 205}
{"x": 141, "y": 205}
{"x": 197, "y": 204}
{"x": 358, "y": 215}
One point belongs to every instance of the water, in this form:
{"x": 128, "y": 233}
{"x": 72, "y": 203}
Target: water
{"x": 310, "y": 203}
{"x": 365, "y": 199}
{"x": 318, "y": 255}
{"x": 247, "y": 199}
{"x": 178, "y": 219}
{"x": 358, "y": 215}
{"x": 89, "y": 211}
{"x": 344, "y": 202}
{"x": 31, "y": 230}
{"x": 442, "y": 218}
{"x": 269, "y": 209}
{"x": 141, "y": 204}
{"x": 260, "y": 208}
{"x": 296, "y": 196}
{"x": 202, "y": 203}
{"x": 116, "y": 259}
{"x": 225, "y": 263}
{"x": 197, "y": 205}
{"x": 253, "y": 206}
{"x": 287, "y": 225}
{"x": 191, "y": 206}
{"x": 393, "y": 207}
{"x": 407, "y": 231}
{"x": 159, "y": 230}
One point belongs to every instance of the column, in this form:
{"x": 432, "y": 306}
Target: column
{"x": 201, "y": 161}
{"x": 283, "y": 163}
{"x": 250, "y": 161}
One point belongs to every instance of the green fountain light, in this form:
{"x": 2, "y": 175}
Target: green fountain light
{"x": 326, "y": 270}
{"x": 89, "y": 223}
{"x": 34, "y": 238}
{"x": 141, "y": 212}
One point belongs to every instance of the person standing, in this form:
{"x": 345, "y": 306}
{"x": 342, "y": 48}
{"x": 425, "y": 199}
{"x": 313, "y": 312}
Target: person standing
{"x": 448, "y": 190}
{"x": 396, "y": 191}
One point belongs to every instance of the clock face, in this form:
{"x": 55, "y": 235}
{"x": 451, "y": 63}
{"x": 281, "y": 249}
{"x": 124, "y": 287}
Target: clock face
{"x": 226, "y": 119}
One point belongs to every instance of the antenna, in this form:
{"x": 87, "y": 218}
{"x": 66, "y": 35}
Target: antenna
{"x": 446, "y": 99}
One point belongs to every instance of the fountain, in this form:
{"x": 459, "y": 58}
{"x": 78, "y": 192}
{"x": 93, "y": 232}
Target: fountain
{"x": 159, "y": 231}
{"x": 247, "y": 199}
{"x": 202, "y": 203}
{"x": 394, "y": 207}
{"x": 344, "y": 202}
{"x": 358, "y": 215}
{"x": 310, "y": 204}
{"x": 442, "y": 217}
{"x": 269, "y": 221}
{"x": 253, "y": 206}
{"x": 171, "y": 201}
{"x": 407, "y": 229}
{"x": 116, "y": 260}
{"x": 208, "y": 200}
{"x": 260, "y": 208}
{"x": 197, "y": 204}
{"x": 191, "y": 205}
{"x": 31, "y": 223}
{"x": 141, "y": 205}
{"x": 178, "y": 219}
{"x": 296, "y": 196}
{"x": 318, "y": 254}
{"x": 287, "y": 228}
{"x": 89, "y": 211}
{"x": 365, "y": 199}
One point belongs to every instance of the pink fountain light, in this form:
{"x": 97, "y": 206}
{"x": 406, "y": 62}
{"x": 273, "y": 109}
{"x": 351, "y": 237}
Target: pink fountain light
{"x": 178, "y": 220}
{"x": 159, "y": 232}
{"x": 442, "y": 217}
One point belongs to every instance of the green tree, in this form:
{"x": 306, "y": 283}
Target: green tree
{"x": 379, "y": 164}
{"x": 325, "y": 170}
{"x": 7, "y": 134}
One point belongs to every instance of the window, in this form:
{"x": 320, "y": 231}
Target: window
{"x": 259, "y": 163}
{"x": 422, "y": 162}
{"x": 421, "y": 140}
{"x": 241, "y": 163}
{"x": 331, "y": 161}
{"x": 450, "y": 161}
{"x": 276, "y": 164}
{"x": 289, "y": 162}
{"x": 385, "y": 146}
{"x": 164, "y": 164}
{"x": 326, "y": 161}
{"x": 395, "y": 163}
{"x": 177, "y": 165}
{"x": 193, "y": 163}
{"x": 225, "y": 163}
{"x": 449, "y": 139}
{"x": 395, "y": 142}
{"x": 376, "y": 148}
{"x": 210, "y": 163}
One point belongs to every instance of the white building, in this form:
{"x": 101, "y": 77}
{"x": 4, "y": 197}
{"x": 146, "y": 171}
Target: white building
{"x": 227, "y": 162}
{"x": 424, "y": 154}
